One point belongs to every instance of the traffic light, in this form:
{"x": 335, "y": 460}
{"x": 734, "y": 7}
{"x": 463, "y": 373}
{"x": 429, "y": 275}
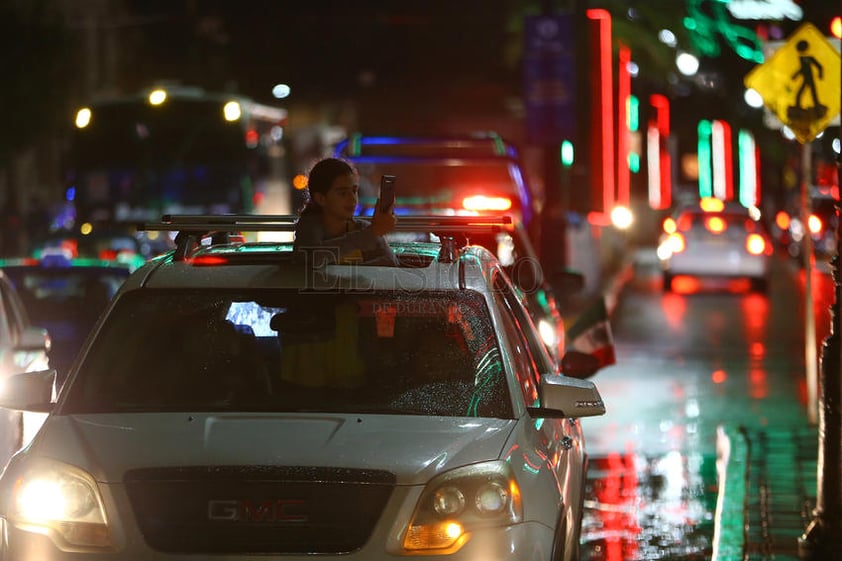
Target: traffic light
{"x": 836, "y": 27}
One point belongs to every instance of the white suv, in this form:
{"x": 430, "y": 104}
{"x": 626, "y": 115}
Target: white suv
{"x": 235, "y": 403}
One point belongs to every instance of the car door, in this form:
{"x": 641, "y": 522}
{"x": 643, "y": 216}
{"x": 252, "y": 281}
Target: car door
{"x": 563, "y": 436}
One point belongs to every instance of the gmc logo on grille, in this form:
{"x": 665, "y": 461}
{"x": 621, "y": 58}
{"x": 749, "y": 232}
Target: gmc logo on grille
{"x": 271, "y": 510}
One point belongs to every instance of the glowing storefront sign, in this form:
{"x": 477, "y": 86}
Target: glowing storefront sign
{"x": 708, "y": 20}
{"x": 765, "y": 9}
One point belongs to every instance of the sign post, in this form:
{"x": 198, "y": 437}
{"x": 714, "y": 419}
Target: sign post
{"x": 549, "y": 92}
{"x": 800, "y": 84}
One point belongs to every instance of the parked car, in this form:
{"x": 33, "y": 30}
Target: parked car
{"x": 23, "y": 348}
{"x": 716, "y": 239}
{"x": 65, "y": 296}
{"x": 235, "y": 402}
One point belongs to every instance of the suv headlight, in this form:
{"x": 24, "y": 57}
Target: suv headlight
{"x": 455, "y": 503}
{"x": 63, "y": 502}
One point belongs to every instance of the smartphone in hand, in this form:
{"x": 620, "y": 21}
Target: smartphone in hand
{"x": 387, "y": 192}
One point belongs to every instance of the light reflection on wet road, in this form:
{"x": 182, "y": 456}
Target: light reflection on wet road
{"x": 687, "y": 362}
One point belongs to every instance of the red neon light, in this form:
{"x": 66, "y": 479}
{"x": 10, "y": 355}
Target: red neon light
{"x": 599, "y": 219}
{"x": 623, "y": 92}
{"x": 661, "y": 105}
{"x": 729, "y": 161}
{"x": 602, "y": 119}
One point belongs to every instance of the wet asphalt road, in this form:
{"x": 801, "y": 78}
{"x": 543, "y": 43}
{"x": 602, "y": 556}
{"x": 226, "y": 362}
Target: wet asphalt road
{"x": 688, "y": 361}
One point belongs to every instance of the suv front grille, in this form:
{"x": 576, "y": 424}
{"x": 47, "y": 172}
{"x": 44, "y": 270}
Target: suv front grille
{"x": 257, "y": 509}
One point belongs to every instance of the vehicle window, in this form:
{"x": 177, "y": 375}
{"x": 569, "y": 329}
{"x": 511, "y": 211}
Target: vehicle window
{"x": 530, "y": 359}
{"x": 501, "y": 244}
{"x": 429, "y": 184}
{"x": 425, "y": 353}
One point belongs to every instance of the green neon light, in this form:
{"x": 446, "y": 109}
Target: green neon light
{"x": 705, "y": 163}
{"x": 705, "y": 30}
{"x": 633, "y": 113}
{"x": 634, "y": 162}
{"x": 566, "y": 153}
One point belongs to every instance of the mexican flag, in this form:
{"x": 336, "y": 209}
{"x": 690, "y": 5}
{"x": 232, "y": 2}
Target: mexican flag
{"x": 591, "y": 334}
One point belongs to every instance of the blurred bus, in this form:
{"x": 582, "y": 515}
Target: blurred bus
{"x": 176, "y": 149}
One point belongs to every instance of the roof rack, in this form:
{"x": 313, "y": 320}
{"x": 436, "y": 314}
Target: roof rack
{"x": 192, "y": 228}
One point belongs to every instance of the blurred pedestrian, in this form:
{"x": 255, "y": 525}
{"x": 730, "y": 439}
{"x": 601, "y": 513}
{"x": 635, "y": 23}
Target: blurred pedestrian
{"x": 327, "y": 230}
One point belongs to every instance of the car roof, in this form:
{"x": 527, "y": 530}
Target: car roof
{"x": 242, "y": 264}
{"x": 477, "y": 144}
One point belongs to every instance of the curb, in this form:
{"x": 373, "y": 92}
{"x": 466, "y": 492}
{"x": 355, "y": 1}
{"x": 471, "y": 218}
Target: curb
{"x": 729, "y": 532}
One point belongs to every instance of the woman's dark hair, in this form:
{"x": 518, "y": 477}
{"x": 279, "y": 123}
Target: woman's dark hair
{"x": 321, "y": 178}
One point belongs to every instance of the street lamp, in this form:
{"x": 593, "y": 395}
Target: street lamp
{"x": 687, "y": 63}
{"x": 281, "y": 91}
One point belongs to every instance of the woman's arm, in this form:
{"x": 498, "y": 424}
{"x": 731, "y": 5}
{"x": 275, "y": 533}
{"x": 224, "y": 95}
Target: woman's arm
{"x": 310, "y": 237}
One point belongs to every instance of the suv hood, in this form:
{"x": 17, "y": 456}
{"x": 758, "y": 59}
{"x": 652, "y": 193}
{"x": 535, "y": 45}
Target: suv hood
{"x": 413, "y": 447}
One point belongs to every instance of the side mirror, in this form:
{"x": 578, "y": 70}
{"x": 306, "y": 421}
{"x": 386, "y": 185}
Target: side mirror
{"x": 579, "y": 365}
{"x": 567, "y": 397}
{"x": 33, "y": 339}
{"x": 30, "y": 391}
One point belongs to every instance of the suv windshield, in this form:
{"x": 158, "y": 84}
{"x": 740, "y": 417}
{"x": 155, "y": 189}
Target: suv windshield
{"x": 425, "y": 353}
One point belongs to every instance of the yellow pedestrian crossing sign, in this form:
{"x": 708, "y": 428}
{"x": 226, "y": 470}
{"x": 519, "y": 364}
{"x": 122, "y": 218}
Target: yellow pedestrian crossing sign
{"x": 800, "y": 82}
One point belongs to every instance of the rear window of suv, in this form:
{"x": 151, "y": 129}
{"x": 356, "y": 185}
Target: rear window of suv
{"x": 428, "y": 185}
{"x": 425, "y": 353}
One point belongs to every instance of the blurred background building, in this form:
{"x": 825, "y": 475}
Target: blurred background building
{"x": 665, "y": 71}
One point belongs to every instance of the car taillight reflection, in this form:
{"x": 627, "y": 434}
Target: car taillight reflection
{"x": 485, "y": 203}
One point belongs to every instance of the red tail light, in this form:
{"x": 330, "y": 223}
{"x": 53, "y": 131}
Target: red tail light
{"x": 484, "y": 203}
{"x": 208, "y": 260}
